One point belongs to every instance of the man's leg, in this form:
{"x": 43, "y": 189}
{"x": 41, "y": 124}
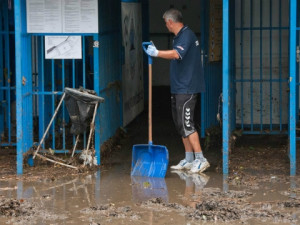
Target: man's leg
{"x": 176, "y": 107}
{"x": 192, "y": 142}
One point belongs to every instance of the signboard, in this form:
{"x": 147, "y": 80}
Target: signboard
{"x": 62, "y": 16}
{"x": 215, "y": 31}
{"x": 132, "y": 82}
{"x": 63, "y": 47}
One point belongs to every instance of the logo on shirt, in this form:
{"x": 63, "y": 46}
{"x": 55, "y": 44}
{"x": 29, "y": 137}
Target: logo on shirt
{"x": 197, "y": 43}
{"x": 180, "y": 47}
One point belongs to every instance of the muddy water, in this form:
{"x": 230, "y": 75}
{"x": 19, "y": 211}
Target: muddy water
{"x": 111, "y": 196}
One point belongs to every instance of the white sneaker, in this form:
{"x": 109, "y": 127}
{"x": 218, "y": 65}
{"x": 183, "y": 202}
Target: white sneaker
{"x": 198, "y": 166}
{"x": 183, "y": 164}
{"x": 200, "y": 180}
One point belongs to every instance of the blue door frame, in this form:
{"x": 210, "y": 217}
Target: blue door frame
{"x": 292, "y": 82}
{"x": 23, "y": 84}
{"x": 226, "y": 90}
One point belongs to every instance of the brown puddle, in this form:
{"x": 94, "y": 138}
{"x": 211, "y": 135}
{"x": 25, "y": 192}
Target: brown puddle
{"x": 113, "y": 197}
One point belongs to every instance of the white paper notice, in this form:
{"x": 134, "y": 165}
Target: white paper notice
{"x": 88, "y": 12}
{"x": 71, "y": 12}
{"x": 62, "y": 16}
{"x": 63, "y": 47}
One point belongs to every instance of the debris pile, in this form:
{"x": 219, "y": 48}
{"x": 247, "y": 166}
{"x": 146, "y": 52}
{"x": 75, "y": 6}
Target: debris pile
{"x": 15, "y": 208}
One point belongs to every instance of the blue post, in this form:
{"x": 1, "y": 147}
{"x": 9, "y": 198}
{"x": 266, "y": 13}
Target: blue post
{"x": 97, "y": 89}
{"x": 41, "y": 85}
{"x": 63, "y": 107}
{"x": 203, "y": 52}
{"x": 19, "y": 111}
{"x": 18, "y": 47}
{"x": 225, "y": 69}
{"x": 1, "y": 76}
{"x": 53, "y": 100}
{"x": 260, "y": 67}
{"x": 292, "y": 119}
{"x": 242, "y": 65}
{"x": 83, "y": 78}
{"x": 280, "y": 64}
{"x": 251, "y": 62}
{"x": 23, "y": 84}
{"x": 83, "y": 62}
{"x": 271, "y": 85}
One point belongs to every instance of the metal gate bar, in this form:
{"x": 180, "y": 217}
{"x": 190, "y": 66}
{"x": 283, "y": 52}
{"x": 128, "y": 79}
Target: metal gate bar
{"x": 6, "y": 87}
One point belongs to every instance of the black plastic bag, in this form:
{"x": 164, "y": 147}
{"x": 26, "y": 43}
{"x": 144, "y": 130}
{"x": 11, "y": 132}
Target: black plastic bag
{"x": 80, "y": 104}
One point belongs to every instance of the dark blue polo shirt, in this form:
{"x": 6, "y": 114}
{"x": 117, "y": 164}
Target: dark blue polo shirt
{"x": 185, "y": 72}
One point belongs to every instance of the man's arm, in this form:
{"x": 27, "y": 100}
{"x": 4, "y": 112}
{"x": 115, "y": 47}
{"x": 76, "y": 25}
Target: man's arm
{"x": 165, "y": 54}
{"x": 168, "y": 54}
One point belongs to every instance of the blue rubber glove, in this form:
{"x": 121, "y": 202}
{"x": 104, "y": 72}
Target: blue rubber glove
{"x": 152, "y": 51}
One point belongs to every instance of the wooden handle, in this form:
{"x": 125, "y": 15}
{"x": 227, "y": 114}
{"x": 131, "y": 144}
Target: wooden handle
{"x": 150, "y": 104}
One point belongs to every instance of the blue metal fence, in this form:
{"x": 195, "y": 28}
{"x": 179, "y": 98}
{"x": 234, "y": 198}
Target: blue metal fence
{"x": 40, "y": 82}
{"x": 261, "y": 76}
{"x": 52, "y": 76}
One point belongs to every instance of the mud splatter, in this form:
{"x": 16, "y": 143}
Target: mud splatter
{"x": 15, "y": 208}
{"x": 111, "y": 211}
{"x": 216, "y": 205}
{"x": 24, "y": 212}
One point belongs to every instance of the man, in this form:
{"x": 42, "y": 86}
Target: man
{"x": 186, "y": 83}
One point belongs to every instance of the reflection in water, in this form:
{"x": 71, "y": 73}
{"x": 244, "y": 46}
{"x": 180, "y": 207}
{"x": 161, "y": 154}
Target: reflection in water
{"x": 293, "y": 186}
{"x": 65, "y": 187}
{"x": 66, "y": 199}
{"x": 293, "y": 191}
{"x": 20, "y": 189}
{"x": 145, "y": 188}
{"x": 194, "y": 184}
{"x": 225, "y": 183}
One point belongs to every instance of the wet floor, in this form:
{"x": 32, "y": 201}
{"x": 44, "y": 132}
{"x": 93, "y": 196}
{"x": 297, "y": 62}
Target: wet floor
{"x": 113, "y": 197}
{"x": 255, "y": 192}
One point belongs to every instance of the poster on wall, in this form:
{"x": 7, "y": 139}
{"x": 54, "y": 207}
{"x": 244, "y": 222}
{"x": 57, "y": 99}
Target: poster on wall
{"x": 62, "y": 16}
{"x": 63, "y": 47}
{"x": 215, "y": 31}
{"x": 132, "y": 82}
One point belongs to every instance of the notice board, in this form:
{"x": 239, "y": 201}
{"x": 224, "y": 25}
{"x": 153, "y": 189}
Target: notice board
{"x": 62, "y": 16}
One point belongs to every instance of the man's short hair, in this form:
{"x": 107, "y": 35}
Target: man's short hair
{"x": 173, "y": 14}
